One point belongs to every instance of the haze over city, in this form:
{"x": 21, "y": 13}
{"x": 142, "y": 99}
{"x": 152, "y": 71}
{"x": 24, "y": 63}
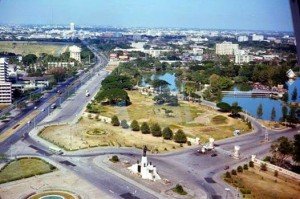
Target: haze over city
{"x": 204, "y": 14}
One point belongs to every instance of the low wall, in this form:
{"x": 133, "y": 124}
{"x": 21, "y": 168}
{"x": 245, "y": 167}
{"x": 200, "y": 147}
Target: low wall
{"x": 275, "y": 168}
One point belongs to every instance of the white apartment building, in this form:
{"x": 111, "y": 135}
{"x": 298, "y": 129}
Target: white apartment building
{"x": 242, "y": 57}
{"x": 226, "y": 48}
{"x": 60, "y": 64}
{"x": 5, "y": 87}
{"x": 75, "y": 52}
{"x": 256, "y": 37}
{"x": 243, "y": 38}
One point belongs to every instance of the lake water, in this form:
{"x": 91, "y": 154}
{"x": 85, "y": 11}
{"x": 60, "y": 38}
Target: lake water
{"x": 248, "y": 104}
{"x": 251, "y": 104}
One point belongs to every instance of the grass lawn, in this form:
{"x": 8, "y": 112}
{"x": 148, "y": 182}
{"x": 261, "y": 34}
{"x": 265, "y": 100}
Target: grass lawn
{"x": 24, "y": 168}
{"x": 265, "y": 185}
{"x": 194, "y": 119}
{"x": 36, "y": 48}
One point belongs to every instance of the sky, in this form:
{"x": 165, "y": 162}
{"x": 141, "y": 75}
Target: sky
{"x": 203, "y": 14}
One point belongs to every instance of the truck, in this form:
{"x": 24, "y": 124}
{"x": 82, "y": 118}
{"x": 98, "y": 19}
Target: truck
{"x": 55, "y": 150}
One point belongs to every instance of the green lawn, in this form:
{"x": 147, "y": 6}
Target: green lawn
{"x": 24, "y": 168}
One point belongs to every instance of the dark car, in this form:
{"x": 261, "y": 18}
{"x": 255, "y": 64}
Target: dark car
{"x": 213, "y": 155}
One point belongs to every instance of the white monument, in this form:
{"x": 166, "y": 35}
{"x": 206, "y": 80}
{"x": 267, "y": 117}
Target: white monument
{"x": 144, "y": 169}
{"x": 236, "y": 152}
{"x": 75, "y": 52}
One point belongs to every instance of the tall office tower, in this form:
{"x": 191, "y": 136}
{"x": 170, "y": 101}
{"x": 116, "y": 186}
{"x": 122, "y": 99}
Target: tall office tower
{"x": 75, "y": 52}
{"x": 72, "y": 26}
{"x": 226, "y": 48}
{"x": 5, "y": 86}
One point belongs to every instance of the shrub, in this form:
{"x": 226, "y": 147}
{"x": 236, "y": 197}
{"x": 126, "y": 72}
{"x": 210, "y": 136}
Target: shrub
{"x": 180, "y": 137}
{"x": 156, "y": 130}
{"x": 189, "y": 143}
{"x": 179, "y": 189}
{"x": 263, "y": 167}
{"x": 227, "y": 174}
{"x": 251, "y": 164}
{"x": 267, "y": 159}
{"x": 245, "y": 191}
{"x": 114, "y": 158}
{"x": 233, "y": 172}
{"x": 245, "y": 167}
{"x": 240, "y": 169}
{"x": 115, "y": 121}
{"x": 145, "y": 128}
{"x": 276, "y": 173}
{"x": 135, "y": 125}
{"x": 124, "y": 124}
{"x": 167, "y": 133}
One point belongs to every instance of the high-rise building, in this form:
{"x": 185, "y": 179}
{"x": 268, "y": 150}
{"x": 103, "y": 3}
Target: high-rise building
{"x": 256, "y": 37}
{"x": 72, "y": 26}
{"x": 75, "y": 52}
{"x": 3, "y": 70}
{"x": 5, "y": 87}
{"x": 226, "y": 48}
{"x": 243, "y": 38}
{"x": 242, "y": 57}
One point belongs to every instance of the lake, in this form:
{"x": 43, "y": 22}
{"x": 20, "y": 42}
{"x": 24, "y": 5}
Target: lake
{"x": 250, "y": 104}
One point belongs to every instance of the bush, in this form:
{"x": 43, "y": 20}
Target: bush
{"x": 233, "y": 172}
{"x": 227, "y": 174}
{"x": 267, "y": 159}
{"x": 189, "y": 143}
{"x": 251, "y": 164}
{"x": 263, "y": 167}
{"x": 179, "y": 189}
{"x": 276, "y": 173}
{"x": 114, "y": 158}
{"x": 145, "y": 128}
{"x": 240, "y": 169}
{"x": 180, "y": 137}
{"x": 245, "y": 167}
{"x": 245, "y": 191}
{"x": 167, "y": 133}
{"x": 135, "y": 125}
{"x": 124, "y": 124}
{"x": 115, "y": 121}
{"x": 156, "y": 130}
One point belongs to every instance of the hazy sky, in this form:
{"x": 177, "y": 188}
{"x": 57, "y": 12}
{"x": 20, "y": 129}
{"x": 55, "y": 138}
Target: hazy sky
{"x": 219, "y": 14}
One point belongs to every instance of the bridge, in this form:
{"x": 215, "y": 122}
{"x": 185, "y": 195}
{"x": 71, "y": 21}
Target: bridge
{"x": 258, "y": 93}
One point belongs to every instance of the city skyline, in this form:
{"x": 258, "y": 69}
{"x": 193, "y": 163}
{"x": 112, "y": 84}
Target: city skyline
{"x": 228, "y": 15}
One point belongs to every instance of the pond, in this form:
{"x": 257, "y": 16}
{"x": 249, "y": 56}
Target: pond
{"x": 250, "y": 104}
{"x": 169, "y": 77}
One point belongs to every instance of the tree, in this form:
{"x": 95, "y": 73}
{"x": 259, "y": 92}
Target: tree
{"x": 245, "y": 167}
{"x": 116, "y": 81}
{"x": 233, "y": 172}
{"x": 235, "y": 109}
{"x": 59, "y": 73}
{"x": 251, "y": 164}
{"x": 114, "y": 159}
{"x": 29, "y": 59}
{"x": 273, "y": 114}
{"x": 284, "y": 113}
{"x": 113, "y": 96}
{"x": 156, "y": 130}
{"x": 145, "y": 128}
{"x": 159, "y": 84}
{"x": 224, "y": 107}
{"x": 180, "y": 137}
{"x": 124, "y": 124}
{"x": 240, "y": 169}
{"x": 294, "y": 94}
{"x": 259, "y": 111}
{"x": 167, "y": 133}
{"x": 115, "y": 121}
{"x": 135, "y": 125}
{"x": 296, "y": 146}
{"x": 292, "y": 117}
{"x": 281, "y": 149}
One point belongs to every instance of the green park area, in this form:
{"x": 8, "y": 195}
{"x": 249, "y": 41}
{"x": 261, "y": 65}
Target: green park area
{"x": 253, "y": 182}
{"x": 24, "y": 168}
{"x": 25, "y": 48}
{"x": 92, "y": 130}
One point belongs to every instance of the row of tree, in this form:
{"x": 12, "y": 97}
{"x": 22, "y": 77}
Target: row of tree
{"x": 153, "y": 129}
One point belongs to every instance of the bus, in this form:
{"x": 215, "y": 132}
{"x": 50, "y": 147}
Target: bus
{"x": 55, "y": 150}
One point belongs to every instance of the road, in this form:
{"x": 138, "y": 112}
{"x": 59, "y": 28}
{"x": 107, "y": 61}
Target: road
{"x": 199, "y": 172}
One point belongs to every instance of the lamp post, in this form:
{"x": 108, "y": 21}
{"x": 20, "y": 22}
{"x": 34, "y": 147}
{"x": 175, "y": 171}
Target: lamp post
{"x": 227, "y": 190}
